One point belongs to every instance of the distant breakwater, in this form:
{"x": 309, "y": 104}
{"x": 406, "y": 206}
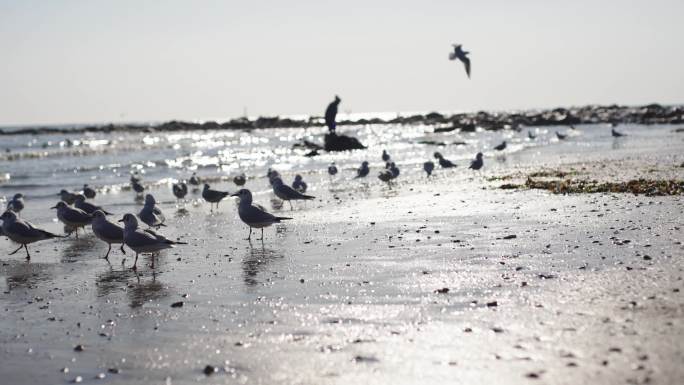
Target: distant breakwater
{"x": 591, "y": 114}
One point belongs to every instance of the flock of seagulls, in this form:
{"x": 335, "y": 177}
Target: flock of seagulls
{"x": 76, "y": 210}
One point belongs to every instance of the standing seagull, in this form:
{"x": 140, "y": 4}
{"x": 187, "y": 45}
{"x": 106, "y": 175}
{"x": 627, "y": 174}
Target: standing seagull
{"x": 195, "y": 181}
{"x": 362, "y": 171}
{"x": 385, "y": 156}
{"x": 332, "y": 169}
{"x": 72, "y": 217}
{"x": 143, "y": 241}
{"x": 88, "y": 192}
{"x": 67, "y": 197}
{"x": 151, "y": 214}
{"x": 477, "y": 163}
{"x": 445, "y": 163}
{"x": 531, "y": 135}
{"x": 16, "y": 204}
{"x": 107, "y": 231}
{"x": 213, "y": 196}
{"x": 180, "y": 190}
{"x": 428, "y": 167}
{"x": 616, "y": 134}
{"x": 331, "y": 113}
{"x": 240, "y": 180}
{"x": 561, "y": 136}
{"x": 88, "y": 207}
{"x": 254, "y": 215}
{"x": 461, "y": 55}
{"x": 299, "y": 184}
{"x": 287, "y": 193}
{"x": 22, "y": 232}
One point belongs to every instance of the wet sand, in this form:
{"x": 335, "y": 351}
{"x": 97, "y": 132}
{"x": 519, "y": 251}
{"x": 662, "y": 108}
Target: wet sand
{"x": 447, "y": 280}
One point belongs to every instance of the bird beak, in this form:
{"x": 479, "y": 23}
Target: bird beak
{"x": 234, "y": 195}
{"x": 53, "y": 207}
{"x": 120, "y": 220}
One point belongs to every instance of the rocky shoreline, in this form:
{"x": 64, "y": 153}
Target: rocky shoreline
{"x": 592, "y": 114}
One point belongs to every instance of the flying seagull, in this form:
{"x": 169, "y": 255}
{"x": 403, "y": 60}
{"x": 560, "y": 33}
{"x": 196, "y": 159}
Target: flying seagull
{"x": 461, "y": 55}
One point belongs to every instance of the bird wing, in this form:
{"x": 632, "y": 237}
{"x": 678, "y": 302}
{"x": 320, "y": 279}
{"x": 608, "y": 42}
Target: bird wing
{"x": 466, "y": 63}
{"x": 255, "y": 215}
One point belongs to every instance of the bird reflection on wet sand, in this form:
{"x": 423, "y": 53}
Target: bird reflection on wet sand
{"x": 255, "y": 261}
{"x": 79, "y": 249}
{"x": 20, "y": 274}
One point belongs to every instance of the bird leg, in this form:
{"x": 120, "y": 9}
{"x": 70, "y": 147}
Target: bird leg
{"x": 108, "y": 250}
{"x": 290, "y": 202}
{"x": 262, "y": 234}
{"x": 122, "y": 249}
{"x": 28, "y": 256}
{"x": 135, "y": 263}
{"x": 249, "y": 237}
{"x": 15, "y": 251}
{"x": 76, "y": 232}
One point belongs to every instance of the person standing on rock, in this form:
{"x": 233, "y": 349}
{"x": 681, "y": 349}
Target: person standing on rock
{"x": 331, "y": 113}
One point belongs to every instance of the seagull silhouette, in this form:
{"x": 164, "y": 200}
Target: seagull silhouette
{"x": 461, "y": 55}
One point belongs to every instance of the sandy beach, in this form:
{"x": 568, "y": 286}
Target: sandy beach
{"x": 443, "y": 280}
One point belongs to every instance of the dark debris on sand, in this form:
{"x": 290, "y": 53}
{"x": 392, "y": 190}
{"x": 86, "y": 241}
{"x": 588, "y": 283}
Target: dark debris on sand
{"x": 646, "y": 187}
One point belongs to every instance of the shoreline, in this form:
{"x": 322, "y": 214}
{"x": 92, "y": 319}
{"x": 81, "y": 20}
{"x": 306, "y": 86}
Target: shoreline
{"x": 465, "y": 122}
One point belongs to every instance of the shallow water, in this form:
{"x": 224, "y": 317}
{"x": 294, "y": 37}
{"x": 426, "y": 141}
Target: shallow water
{"x": 342, "y": 293}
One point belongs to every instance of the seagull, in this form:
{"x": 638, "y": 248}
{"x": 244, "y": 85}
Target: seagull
{"x": 16, "y": 204}
{"x": 616, "y": 134}
{"x": 299, "y": 184}
{"x": 72, "y": 217}
{"x": 213, "y": 196}
{"x": 561, "y": 136}
{"x": 428, "y": 167}
{"x": 386, "y": 176}
{"x": 461, "y": 55}
{"x": 272, "y": 175}
{"x": 137, "y": 186}
{"x": 385, "y": 156}
{"x": 89, "y": 208}
{"x": 362, "y": 171}
{"x": 151, "y": 214}
{"x": 445, "y": 163}
{"x": 531, "y": 135}
{"x": 22, "y": 232}
{"x": 287, "y": 193}
{"x": 180, "y": 190}
{"x": 254, "y": 215}
{"x": 88, "y": 192}
{"x": 477, "y": 163}
{"x": 332, "y": 169}
{"x": 240, "y": 180}
{"x": 500, "y": 147}
{"x": 394, "y": 170}
{"x": 143, "y": 241}
{"x": 195, "y": 180}
{"x": 67, "y": 197}
{"x": 107, "y": 231}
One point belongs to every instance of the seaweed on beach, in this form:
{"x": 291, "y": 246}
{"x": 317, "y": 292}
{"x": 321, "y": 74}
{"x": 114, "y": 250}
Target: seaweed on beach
{"x": 646, "y": 187}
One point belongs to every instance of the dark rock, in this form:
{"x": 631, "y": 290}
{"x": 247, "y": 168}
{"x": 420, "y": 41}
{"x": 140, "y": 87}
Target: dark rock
{"x": 334, "y": 142}
{"x": 209, "y": 370}
{"x": 79, "y": 348}
{"x": 492, "y": 304}
{"x": 512, "y": 236}
{"x": 443, "y": 290}
{"x": 177, "y": 304}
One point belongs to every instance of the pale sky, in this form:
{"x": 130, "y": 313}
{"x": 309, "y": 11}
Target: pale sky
{"x": 110, "y": 61}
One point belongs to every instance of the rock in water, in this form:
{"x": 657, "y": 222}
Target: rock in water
{"x": 334, "y": 142}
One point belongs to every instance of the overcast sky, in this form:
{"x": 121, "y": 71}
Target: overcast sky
{"x": 97, "y": 61}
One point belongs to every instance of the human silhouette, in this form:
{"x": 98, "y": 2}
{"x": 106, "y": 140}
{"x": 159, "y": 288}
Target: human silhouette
{"x": 331, "y": 113}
